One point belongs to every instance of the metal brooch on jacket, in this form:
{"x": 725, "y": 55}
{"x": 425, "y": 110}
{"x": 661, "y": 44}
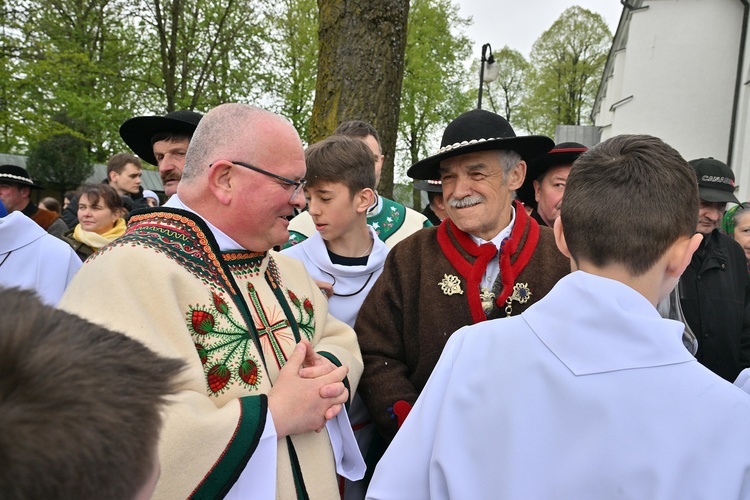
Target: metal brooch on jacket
{"x": 451, "y": 285}
{"x": 521, "y": 294}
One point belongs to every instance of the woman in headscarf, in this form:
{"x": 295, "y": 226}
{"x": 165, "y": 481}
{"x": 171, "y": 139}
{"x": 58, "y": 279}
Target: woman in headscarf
{"x": 736, "y": 223}
{"x": 100, "y": 219}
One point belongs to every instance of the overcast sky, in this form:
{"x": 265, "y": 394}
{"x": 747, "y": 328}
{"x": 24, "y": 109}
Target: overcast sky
{"x": 518, "y": 23}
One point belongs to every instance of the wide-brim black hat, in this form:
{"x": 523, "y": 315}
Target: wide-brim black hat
{"x": 17, "y": 175}
{"x": 564, "y": 153}
{"x": 479, "y": 130}
{"x": 137, "y": 132}
{"x": 432, "y": 185}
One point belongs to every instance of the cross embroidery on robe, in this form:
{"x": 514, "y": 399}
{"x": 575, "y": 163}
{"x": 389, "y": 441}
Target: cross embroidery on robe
{"x": 269, "y": 326}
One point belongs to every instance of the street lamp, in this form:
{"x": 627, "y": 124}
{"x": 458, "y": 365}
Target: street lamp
{"x": 488, "y": 70}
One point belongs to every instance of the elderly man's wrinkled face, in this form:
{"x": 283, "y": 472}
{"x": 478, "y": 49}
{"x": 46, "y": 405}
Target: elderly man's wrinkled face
{"x": 477, "y": 198}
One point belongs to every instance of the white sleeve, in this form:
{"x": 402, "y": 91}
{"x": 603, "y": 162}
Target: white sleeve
{"x": 349, "y": 461}
{"x": 258, "y": 479}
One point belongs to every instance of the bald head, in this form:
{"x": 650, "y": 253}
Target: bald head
{"x": 242, "y": 171}
{"x": 229, "y": 131}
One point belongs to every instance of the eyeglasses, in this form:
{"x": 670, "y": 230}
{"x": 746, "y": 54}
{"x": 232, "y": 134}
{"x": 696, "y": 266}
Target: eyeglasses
{"x": 298, "y": 185}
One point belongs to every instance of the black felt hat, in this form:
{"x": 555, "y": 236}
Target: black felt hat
{"x": 564, "y": 153}
{"x": 17, "y": 175}
{"x": 432, "y": 186}
{"x": 137, "y": 132}
{"x": 479, "y": 130}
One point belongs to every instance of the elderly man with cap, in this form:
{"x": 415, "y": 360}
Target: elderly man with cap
{"x": 162, "y": 141}
{"x": 545, "y": 181}
{"x": 715, "y": 288}
{"x": 15, "y": 193}
{"x": 489, "y": 259}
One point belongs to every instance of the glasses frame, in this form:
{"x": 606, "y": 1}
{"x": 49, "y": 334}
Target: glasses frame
{"x": 298, "y": 185}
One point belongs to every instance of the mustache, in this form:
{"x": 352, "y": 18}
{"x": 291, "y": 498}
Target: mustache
{"x": 465, "y": 202}
{"x": 171, "y": 176}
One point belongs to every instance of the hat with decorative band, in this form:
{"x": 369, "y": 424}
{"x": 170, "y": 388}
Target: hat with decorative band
{"x": 431, "y": 185}
{"x": 479, "y": 130}
{"x": 16, "y": 175}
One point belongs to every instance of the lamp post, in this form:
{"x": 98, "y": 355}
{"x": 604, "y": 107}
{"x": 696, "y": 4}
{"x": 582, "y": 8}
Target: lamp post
{"x": 491, "y": 73}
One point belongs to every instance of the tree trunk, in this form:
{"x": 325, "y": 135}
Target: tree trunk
{"x": 360, "y": 71}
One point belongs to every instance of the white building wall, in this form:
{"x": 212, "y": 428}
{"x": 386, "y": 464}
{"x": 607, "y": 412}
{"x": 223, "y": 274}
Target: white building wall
{"x": 679, "y": 65}
{"x": 741, "y": 152}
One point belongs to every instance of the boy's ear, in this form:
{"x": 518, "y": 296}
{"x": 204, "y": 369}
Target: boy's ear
{"x": 562, "y": 245}
{"x": 364, "y": 198}
{"x": 683, "y": 251}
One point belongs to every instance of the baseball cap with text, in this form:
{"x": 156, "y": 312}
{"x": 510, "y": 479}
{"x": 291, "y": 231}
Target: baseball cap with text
{"x": 715, "y": 180}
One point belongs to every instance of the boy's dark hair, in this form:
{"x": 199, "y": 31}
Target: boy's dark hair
{"x": 340, "y": 159}
{"x": 103, "y": 192}
{"x": 626, "y": 201}
{"x": 117, "y": 162}
{"x": 358, "y": 129}
{"x": 80, "y": 406}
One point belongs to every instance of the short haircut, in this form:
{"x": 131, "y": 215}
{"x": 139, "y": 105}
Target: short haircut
{"x": 69, "y": 195}
{"x": 508, "y": 160}
{"x": 359, "y": 129}
{"x": 626, "y": 201}
{"x": 80, "y": 405}
{"x": 117, "y": 162}
{"x": 103, "y": 192}
{"x": 51, "y": 204}
{"x": 227, "y": 132}
{"x": 340, "y": 159}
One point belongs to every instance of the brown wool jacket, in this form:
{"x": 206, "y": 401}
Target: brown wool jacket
{"x": 407, "y": 318}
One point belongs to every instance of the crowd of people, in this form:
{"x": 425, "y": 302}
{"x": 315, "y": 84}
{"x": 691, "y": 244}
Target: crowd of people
{"x": 559, "y": 321}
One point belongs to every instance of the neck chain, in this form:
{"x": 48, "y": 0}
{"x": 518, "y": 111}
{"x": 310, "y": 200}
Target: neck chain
{"x": 369, "y": 249}
{"x": 348, "y": 294}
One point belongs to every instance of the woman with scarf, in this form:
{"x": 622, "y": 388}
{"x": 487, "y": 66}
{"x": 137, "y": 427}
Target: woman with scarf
{"x": 100, "y": 212}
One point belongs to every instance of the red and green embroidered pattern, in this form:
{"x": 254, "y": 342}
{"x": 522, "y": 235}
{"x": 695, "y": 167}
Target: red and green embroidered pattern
{"x": 178, "y": 237}
{"x": 224, "y": 346}
{"x": 244, "y": 264}
{"x": 304, "y": 314}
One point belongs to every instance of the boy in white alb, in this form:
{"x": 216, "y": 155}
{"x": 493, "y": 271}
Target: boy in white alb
{"x": 345, "y": 255}
{"x": 588, "y": 394}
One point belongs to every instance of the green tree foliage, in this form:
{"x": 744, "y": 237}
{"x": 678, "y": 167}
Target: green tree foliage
{"x": 567, "y": 61}
{"x": 434, "y": 77}
{"x": 511, "y": 81}
{"x": 199, "y": 53}
{"x": 104, "y": 61}
{"x": 61, "y": 158}
{"x": 292, "y": 67}
{"x": 66, "y": 56}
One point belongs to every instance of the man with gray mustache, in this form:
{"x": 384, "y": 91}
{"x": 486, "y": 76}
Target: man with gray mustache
{"x": 488, "y": 259}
